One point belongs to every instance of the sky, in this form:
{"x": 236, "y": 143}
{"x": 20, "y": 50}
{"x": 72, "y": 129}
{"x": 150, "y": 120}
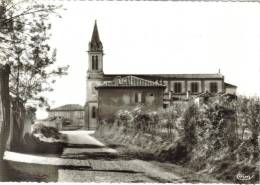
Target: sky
{"x": 158, "y": 37}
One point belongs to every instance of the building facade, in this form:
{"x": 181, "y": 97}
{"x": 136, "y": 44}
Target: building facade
{"x": 71, "y": 116}
{"x": 177, "y": 87}
{"x": 126, "y": 93}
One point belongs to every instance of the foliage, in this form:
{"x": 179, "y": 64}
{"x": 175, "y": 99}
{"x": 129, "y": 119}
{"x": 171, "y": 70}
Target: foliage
{"x": 48, "y": 132}
{"x": 189, "y": 124}
{"x": 169, "y": 118}
{"x": 138, "y": 119}
{"x": 220, "y": 137}
{"x": 31, "y": 112}
{"x": 27, "y": 51}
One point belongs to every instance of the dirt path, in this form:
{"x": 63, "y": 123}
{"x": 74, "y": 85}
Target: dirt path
{"x": 87, "y": 159}
{"x": 115, "y": 163}
{"x": 162, "y": 171}
{"x": 107, "y": 165}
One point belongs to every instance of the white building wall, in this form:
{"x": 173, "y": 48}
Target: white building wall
{"x": 230, "y": 90}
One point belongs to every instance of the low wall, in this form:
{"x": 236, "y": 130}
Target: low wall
{"x": 28, "y": 172}
{"x": 36, "y": 168}
{"x": 21, "y": 121}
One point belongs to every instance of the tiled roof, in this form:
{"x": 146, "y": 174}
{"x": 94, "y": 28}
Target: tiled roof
{"x": 69, "y": 107}
{"x": 171, "y": 76}
{"x": 130, "y": 81}
{"x": 230, "y": 85}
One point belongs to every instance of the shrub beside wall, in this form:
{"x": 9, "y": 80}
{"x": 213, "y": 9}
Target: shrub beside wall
{"x": 219, "y": 138}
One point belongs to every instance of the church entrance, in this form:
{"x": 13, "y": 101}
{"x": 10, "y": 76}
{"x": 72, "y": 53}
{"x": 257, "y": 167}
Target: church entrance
{"x": 92, "y": 114}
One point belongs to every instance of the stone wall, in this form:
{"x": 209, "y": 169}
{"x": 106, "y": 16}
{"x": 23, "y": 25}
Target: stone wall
{"x": 20, "y": 124}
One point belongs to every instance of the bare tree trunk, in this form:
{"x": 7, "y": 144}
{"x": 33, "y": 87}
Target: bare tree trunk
{"x": 4, "y": 114}
{"x": 16, "y": 137}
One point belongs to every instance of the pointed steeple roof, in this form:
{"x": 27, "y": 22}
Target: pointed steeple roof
{"x": 95, "y": 44}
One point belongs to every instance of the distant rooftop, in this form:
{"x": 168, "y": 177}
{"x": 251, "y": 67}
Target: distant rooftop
{"x": 69, "y": 107}
{"x": 229, "y": 85}
{"x": 172, "y": 76}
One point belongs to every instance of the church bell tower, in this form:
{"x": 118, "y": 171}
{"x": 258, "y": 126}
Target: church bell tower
{"x": 95, "y": 76}
{"x": 95, "y": 54}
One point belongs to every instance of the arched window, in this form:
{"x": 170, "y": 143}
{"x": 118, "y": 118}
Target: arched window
{"x": 96, "y": 62}
{"x": 93, "y": 112}
{"x": 93, "y": 63}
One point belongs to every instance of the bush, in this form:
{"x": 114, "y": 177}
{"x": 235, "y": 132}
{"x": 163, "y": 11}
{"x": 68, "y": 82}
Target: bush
{"x": 44, "y": 139}
{"x": 137, "y": 119}
{"x": 47, "y": 132}
{"x": 212, "y": 137}
{"x": 66, "y": 121}
{"x": 189, "y": 124}
{"x": 35, "y": 145}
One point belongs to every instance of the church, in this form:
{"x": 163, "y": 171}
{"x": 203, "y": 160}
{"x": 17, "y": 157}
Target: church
{"x": 107, "y": 93}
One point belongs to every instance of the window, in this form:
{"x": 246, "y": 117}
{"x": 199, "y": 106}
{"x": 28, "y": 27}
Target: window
{"x": 177, "y": 87}
{"x": 94, "y": 62}
{"x": 139, "y": 97}
{"x": 194, "y": 87}
{"x": 93, "y": 112}
{"x": 136, "y": 97}
{"x": 213, "y": 87}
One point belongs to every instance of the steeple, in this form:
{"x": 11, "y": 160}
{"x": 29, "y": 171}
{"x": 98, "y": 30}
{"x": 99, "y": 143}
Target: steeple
{"x": 95, "y": 44}
{"x": 95, "y": 55}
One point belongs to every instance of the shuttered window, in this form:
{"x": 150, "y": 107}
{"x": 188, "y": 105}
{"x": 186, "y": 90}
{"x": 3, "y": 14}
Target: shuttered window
{"x": 139, "y": 97}
{"x": 177, "y": 87}
{"x": 213, "y": 87}
{"x": 194, "y": 87}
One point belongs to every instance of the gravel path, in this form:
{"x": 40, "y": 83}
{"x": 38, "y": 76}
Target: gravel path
{"x": 106, "y": 165}
{"x": 82, "y": 138}
{"x": 88, "y": 160}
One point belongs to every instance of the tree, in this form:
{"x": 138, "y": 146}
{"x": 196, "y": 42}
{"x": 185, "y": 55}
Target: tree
{"x": 4, "y": 114}
{"x": 32, "y": 61}
{"x": 32, "y": 72}
{"x": 31, "y": 58}
{"x": 23, "y": 43}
